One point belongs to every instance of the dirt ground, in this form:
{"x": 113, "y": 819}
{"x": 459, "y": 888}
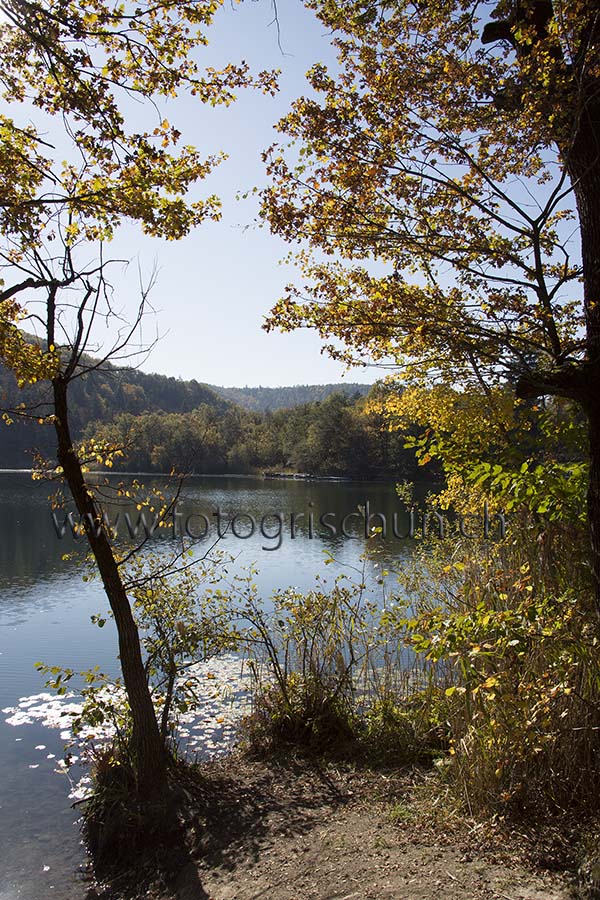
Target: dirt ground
{"x": 298, "y": 831}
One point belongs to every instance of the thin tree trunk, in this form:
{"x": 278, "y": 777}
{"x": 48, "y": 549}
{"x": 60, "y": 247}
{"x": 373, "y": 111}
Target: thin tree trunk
{"x": 164, "y": 721}
{"x": 148, "y": 748}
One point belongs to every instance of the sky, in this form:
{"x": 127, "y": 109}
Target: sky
{"x": 215, "y": 287}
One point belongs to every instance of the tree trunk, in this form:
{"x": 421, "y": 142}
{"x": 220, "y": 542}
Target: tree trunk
{"x": 148, "y": 748}
{"x": 593, "y": 496}
{"x": 582, "y": 158}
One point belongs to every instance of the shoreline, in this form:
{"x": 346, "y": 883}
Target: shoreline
{"x": 256, "y": 476}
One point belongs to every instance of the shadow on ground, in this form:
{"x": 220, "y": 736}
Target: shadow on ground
{"x": 255, "y": 804}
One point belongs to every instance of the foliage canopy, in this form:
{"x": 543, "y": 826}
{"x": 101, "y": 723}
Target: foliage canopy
{"x": 452, "y": 164}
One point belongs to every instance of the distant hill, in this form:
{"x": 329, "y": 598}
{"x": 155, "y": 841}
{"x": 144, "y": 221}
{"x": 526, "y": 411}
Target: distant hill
{"x": 269, "y": 399}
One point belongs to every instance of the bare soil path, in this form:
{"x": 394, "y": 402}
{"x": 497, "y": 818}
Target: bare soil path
{"x": 296, "y": 831}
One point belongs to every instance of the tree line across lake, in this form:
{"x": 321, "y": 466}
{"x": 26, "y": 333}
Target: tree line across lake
{"x": 164, "y": 423}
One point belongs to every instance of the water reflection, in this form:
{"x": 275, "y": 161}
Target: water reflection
{"x": 45, "y": 610}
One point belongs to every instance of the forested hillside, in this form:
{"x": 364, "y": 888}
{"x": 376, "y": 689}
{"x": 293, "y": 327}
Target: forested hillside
{"x": 264, "y": 399}
{"x": 100, "y": 396}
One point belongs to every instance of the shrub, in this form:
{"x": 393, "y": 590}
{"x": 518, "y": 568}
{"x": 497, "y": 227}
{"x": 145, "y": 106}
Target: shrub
{"x": 511, "y": 630}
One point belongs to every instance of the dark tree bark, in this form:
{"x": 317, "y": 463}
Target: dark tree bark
{"x": 593, "y": 495}
{"x": 148, "y": 747}
{"x": 578, "y": 141}
{"x": 582, "y": 159}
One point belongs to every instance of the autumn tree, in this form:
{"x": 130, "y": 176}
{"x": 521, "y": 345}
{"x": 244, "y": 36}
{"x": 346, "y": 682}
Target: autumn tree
{"x": 444, "y": 183}
{"x": 73, "y": 167}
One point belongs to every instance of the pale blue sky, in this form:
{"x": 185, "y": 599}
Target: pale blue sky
{"x": 215, "y": 287}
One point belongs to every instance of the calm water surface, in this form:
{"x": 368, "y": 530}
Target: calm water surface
{"x": 45, "y": 609}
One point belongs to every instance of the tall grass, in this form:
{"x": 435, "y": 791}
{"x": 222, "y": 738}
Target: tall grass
{"x": 330, "y": 675}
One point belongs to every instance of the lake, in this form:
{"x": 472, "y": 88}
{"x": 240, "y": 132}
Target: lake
{"x": 287, "y": 528}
